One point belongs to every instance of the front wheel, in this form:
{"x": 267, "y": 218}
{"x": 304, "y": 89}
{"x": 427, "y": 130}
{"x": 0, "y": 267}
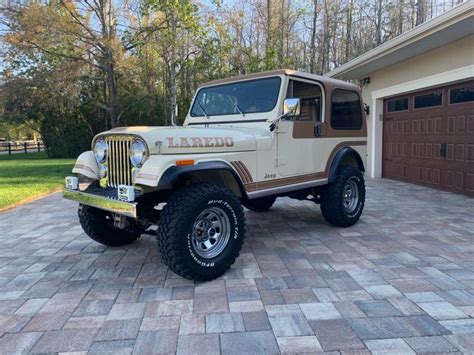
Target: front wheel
{"x": 201, "y": 231}
{"x": 343, "y": 200}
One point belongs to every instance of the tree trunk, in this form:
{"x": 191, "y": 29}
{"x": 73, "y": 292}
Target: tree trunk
{"x": 111, "y": 91}
{"x": 379, "y": 22}
{"x": 349, "y": 31}
{"x": 173, "y": 70}
{"x": 326, "y": 37}
{"x": 420, "y": 12}
{"x": 282, "y": 34}
{"x": 400, "y": 17}
{"x": 312, "y": 45}
{"x": 268, "y": 47}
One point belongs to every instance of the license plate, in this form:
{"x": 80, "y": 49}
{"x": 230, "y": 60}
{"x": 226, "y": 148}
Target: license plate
{"x": 126, "y": 193}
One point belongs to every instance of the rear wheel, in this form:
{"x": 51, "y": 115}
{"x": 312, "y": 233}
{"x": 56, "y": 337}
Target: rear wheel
{"x": 99, "y": 226}
{"x": 261, "y": 204}
{"x": 343, "y": 200}
{"x": 200, "y": 231}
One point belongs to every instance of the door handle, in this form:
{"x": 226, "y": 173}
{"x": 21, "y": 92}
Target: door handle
{"x": 318, "y": 129}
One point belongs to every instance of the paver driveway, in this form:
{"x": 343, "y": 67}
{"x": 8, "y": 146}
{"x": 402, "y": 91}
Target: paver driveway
{"x": 402, "y": 280}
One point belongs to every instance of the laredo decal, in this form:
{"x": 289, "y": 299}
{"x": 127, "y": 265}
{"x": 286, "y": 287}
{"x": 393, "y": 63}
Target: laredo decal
{"x": 198, "y": 142}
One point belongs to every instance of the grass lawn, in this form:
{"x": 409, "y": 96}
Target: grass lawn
{"x": 25, "y": 176}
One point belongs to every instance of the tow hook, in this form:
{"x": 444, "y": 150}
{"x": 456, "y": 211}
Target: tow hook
{"x": 120, "y": 221}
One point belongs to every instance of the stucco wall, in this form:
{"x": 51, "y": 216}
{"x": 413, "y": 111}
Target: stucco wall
{"x": 452, "y": 56}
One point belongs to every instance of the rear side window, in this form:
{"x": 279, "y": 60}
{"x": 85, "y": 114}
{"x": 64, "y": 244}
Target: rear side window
{"x": 397, "y": 105}
{"x": 428, "y": 100}
{"x": 346, "y": 111}
{"x": 460, "y": 95}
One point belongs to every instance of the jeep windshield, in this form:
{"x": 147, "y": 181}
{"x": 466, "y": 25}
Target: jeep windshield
{"x": 239, "y": 98}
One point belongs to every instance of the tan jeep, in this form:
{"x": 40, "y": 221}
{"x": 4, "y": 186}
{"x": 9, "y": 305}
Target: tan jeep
{"x": 246, "y": 141}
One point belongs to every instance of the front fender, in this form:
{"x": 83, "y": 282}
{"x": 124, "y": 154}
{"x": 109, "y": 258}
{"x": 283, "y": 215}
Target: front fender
{"x": 172, "y": 174}
{"x": 86, "y": 165}
{"x": 154, "y": 168}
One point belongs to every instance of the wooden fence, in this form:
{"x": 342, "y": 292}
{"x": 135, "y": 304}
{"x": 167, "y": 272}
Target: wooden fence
{"x": 24, "y": 147}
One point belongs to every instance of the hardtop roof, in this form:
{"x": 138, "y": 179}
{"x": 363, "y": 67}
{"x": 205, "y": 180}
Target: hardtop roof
{"x": 288, "y": 72}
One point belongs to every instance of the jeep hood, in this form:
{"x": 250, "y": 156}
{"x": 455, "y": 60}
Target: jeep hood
{"x": 186, "y": 140}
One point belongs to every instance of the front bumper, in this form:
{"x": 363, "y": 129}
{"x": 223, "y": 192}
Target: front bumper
{"x": 103, "y": 202}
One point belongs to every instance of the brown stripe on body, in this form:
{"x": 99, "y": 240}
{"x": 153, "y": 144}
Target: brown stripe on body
{"x": 248, "y": 172}
{"x": 239, "y": 170}
{"x": 250, "y": 187}
{"x": 245, "y": 171}
{"x": 268, "y": 184}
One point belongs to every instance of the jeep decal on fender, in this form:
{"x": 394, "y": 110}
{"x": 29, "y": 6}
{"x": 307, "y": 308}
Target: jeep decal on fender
{"x": 198, "y": 142}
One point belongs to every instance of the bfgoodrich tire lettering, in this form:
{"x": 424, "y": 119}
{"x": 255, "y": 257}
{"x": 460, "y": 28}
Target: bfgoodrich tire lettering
{"x": 96, "y": 225}
{"x": 176, "y": 234}
{"x": 343, "y": 200}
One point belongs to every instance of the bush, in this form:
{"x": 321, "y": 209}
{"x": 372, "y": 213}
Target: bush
{"x": 66, "y": 139}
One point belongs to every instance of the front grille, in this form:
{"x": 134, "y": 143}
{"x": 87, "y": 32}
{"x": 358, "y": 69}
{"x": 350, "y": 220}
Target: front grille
{"x": 118, "y": 160}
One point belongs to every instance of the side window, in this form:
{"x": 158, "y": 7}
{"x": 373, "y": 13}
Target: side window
{"x": 462, "y": 94}
{"x": 346, "y": 111}
{"x": 311, "y": 100}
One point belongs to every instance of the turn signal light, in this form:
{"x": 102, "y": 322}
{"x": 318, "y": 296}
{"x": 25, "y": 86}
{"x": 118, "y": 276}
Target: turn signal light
{"x": 184, "y": 162}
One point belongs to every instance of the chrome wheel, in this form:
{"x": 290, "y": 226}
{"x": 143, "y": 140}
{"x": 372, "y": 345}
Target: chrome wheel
{"x": 350, "y": 195}
{"x": 211, "y": 232}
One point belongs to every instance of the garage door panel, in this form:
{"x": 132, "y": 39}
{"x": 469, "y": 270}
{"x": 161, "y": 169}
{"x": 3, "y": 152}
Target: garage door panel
{"x": 438, "y": 125}
{"x": 459, "y": 152}
{"x": 470, "y": 124}
{"x": 431, "y": 146}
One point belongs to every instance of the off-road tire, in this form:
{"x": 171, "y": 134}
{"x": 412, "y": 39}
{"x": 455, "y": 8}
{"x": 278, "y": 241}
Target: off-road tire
{"x": 261, "y": 204}
{"x": 98, "y": 228}
{"x": 332, "y": 198}
{"x": 175, "y": 231}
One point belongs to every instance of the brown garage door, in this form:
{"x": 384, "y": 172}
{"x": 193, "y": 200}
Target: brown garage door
{"x": 429, "y": 138}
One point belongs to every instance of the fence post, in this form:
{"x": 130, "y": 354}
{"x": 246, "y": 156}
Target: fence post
{"x": 25, "y": 145}
{"x": 9, "y": 148}
{"x": 39, "y": 150}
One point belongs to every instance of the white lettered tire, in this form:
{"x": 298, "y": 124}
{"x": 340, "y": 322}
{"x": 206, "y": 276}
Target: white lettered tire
{"x": 201, "y": 231}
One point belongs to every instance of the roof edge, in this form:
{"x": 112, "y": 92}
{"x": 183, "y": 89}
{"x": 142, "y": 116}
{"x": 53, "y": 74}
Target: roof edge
{"x": 278, "y": 72}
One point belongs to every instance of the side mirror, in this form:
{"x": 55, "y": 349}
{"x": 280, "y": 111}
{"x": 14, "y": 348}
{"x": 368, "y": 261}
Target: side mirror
{"x": 291, "y": 107}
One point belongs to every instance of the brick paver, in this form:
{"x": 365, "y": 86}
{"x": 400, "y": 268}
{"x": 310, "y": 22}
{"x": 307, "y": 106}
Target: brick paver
{"x": 400, "y": 281}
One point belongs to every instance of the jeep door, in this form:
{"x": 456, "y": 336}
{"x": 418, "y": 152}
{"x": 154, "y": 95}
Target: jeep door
{"x": 299, "y": 145}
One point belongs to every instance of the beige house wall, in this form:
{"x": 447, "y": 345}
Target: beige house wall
{"x": 449, "y": 63}
{"x": 455, "y": 55}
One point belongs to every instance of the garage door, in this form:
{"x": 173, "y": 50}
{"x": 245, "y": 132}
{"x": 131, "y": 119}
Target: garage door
{"x": 429, "y": 138}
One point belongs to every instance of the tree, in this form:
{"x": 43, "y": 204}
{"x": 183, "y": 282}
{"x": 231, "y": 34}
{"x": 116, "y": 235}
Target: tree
{"x": 74, "y": 68}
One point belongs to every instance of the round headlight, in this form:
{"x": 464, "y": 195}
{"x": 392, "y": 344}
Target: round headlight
{"x": 138, "y": 153}
{"x": 100, "y": 150}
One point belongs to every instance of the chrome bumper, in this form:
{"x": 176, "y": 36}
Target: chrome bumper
{"x": 128, "y": 209}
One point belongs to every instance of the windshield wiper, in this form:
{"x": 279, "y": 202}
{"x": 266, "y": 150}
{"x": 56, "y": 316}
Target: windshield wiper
{"x": 236, "y": 106}
{"x": 202, "y": 109}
